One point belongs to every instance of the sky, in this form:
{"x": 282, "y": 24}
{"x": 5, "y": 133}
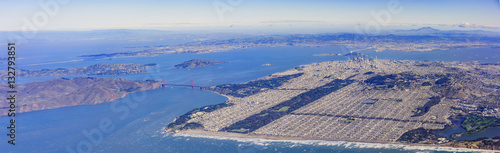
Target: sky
{"x": 172, "y": 14}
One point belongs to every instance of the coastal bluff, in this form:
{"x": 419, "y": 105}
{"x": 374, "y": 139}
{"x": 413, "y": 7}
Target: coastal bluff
{"x": 62, "y": 92}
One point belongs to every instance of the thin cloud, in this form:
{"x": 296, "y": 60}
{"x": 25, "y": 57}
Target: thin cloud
{"x": 292, "y": 21}
{"x": 164, "y": 24}
{"x": 472, "y": 25}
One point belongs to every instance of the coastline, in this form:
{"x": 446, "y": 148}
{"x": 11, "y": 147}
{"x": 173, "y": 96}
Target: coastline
{"x": 346, "y": 143}
{"x": 153, "y": 86}
{"x": 429, "y": 145}
{"x": 228, "y": 97}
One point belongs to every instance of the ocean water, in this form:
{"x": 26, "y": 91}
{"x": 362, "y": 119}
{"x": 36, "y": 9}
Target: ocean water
{"x": 137, "y": 120}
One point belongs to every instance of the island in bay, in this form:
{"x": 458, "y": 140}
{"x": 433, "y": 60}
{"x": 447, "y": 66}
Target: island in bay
{"x": 196, "y": 63}
{"x": 362, "y": 100}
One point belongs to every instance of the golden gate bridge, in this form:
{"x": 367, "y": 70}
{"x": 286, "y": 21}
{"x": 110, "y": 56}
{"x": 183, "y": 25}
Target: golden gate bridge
{"x": 184, "y": 85}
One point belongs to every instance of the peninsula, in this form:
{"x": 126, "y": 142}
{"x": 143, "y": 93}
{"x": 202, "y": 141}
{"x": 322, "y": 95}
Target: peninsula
{"x": 63, "y": 92}
{"x": 363, "y": 100}
{"x": 96, "y": 69}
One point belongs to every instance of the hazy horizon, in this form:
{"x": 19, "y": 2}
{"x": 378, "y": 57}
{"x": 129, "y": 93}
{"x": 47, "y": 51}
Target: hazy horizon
{"x": 70, "y": 15}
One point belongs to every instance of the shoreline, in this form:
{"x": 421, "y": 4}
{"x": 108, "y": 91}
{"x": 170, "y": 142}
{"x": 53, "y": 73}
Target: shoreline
{"x": 228, "y": 97}
{"x": 367, "y": 144}
{"x": 154, "y": 87}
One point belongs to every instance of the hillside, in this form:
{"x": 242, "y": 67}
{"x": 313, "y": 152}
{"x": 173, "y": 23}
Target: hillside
{"x": 196, "y": 63}
{"x": 63, "y": 92}
{"x": 96, "y": 69}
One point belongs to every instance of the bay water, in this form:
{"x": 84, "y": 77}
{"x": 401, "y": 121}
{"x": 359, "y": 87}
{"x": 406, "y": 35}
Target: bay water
{"x": 136, "y": 121}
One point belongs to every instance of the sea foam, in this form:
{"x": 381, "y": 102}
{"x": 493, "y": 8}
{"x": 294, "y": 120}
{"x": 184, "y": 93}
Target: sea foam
{"x": 345, "y": 144}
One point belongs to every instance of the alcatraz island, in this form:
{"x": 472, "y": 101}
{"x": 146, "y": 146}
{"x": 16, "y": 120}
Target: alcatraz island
{"x": 362, "y": 100}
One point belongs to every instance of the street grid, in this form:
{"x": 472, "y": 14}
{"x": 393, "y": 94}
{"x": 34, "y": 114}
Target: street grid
{"x": 342, "y": 115}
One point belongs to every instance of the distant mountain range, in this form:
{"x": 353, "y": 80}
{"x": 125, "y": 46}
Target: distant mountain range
{"x": 422, "y": 39}
{"x": 436, "y": 32}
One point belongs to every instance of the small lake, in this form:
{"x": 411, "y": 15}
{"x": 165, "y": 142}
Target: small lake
{"x": 457, "y": 128}
{"x": 489, "y": 132}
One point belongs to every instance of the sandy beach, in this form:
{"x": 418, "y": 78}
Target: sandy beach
{"x": 347, "y": 143}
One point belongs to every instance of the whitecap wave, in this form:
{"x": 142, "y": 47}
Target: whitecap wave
{"x": 345, "y": 144}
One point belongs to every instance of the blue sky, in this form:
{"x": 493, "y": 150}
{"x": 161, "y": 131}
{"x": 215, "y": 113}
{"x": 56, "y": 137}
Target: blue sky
{"x": 165, "y": 14}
